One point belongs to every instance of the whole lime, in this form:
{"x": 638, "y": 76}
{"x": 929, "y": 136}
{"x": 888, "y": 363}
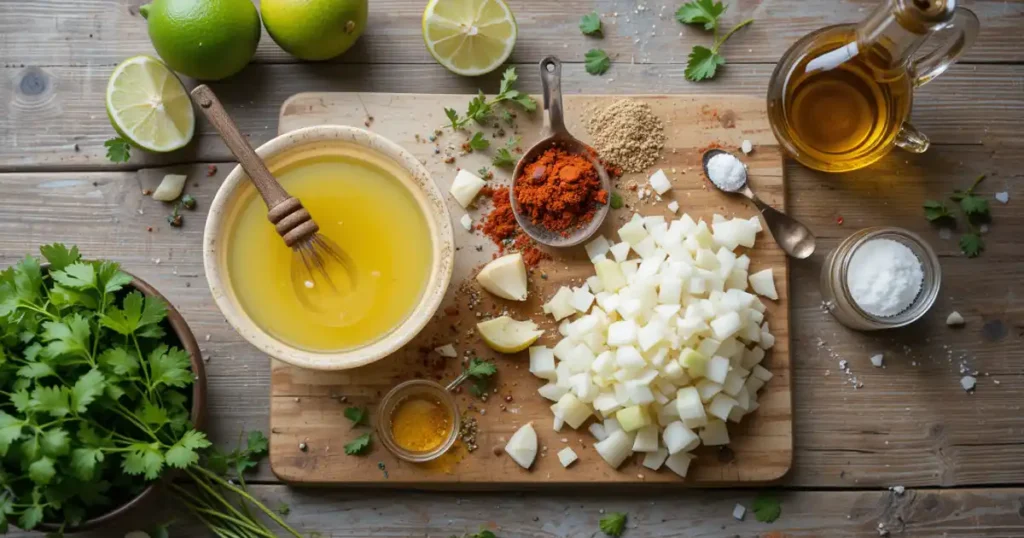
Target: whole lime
{"x": 314, "y": 29}
{"x": 203, "y": 39}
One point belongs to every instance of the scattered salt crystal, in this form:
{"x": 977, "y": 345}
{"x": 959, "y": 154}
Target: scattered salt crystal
{"x": 954, "y": 318}
{"x": 739, "y": 512}
{"x": 968, "y": 382}
{"x": 747, "y": 147}
{"x": 876, "y": 360}
{"x": 898, "y": 490}
{"x": 884, "y": 277}
{"x": 1003, "y": 197}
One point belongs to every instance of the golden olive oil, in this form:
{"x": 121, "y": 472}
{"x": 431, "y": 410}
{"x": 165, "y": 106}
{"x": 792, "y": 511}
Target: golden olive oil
{"x": 371, "y": 216}
{"x": 841, "y": 108}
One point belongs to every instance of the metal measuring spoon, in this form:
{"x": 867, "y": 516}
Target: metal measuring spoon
{"x": 794, "y": 238}
{"x": 554, "y": 132}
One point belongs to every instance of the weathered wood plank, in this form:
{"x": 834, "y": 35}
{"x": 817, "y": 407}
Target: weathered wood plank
{"x": 105, "y": 32}
{"x": 909, "y": 424}
{"x": 56, "y": 118}
{"x": 963, "y": 513}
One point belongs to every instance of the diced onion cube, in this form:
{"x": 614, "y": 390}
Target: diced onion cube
{"x": 646, "y": 439}
{"x": 763, "y": 283}
{"x": 654, "y": 460}
{"x": 615, "y": 449}
{"x": 542, "y": 362}
{"x": 598, "y": 247}
{"x": 567, "y": 456}
{"x": 465, "y": 187}
{"x": 659, "y": 182}
{"x": 679, "y": 463}
{"x": 467, "y": 222}
{"x": 714, "y": 434}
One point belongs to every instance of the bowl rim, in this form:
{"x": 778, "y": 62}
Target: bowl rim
{"x": 435, "y": 211}
{"x": 198, "y": 412}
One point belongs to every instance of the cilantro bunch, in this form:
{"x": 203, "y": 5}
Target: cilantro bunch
{"x": 975, "y": 210}
{"x": 96, "y": 392}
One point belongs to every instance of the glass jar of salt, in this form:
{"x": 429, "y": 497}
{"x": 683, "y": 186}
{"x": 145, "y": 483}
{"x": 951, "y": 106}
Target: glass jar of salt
{"x": 880, "y": 278}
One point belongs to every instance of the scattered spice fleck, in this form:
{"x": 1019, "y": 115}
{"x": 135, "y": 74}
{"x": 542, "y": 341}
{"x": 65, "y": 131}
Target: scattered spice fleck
{"x": 211, "y": 170}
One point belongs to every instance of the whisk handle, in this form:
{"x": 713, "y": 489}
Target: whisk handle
{"x": 271, "y": 191}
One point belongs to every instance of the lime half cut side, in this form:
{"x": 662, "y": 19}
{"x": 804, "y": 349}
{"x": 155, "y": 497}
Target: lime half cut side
{"x": 469, "y": 37}
{"x": 149, "y": 106}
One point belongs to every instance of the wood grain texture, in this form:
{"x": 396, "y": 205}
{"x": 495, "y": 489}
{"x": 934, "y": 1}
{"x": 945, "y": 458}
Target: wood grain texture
{"x": 910, "y": 424}
{"x": 105, "y": 32}
{"x": 959, "y": 513}
{"x": 304, "y": 404}
{"x": 969, "y": 104}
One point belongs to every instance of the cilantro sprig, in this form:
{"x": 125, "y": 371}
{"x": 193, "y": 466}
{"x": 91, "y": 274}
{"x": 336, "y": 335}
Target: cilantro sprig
{"x": 480, "y": 372}
{"x": 975, "y": 209}
{"x": 703, "y": 62}
{"x": 98, "y": 398}
{"x": 506, "y": 157}
{"x": 481, "y": 109}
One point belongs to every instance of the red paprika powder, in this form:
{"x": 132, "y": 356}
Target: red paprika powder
{"x": 560, "y": 190}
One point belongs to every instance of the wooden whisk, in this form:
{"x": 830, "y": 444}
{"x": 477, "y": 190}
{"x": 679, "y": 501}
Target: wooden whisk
{"x": 292, "y": 221}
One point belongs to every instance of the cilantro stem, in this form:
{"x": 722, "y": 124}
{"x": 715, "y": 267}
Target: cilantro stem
{"x": 975, "y": 184}
{"x": 143, "y": 365}
{"x": 224, "y": 483}
{"x": 34, "y": 308}
{"x": 244, "y": 524}
{"x": 720, "y": 42}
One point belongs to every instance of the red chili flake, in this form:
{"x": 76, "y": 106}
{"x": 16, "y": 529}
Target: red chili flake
{"x": 146, "y": 192}
{"x": 149, "y": 228}
{"x": 839, "y": 220}
{"x": 211, "y": 170}
{"x": 449, "y": 160}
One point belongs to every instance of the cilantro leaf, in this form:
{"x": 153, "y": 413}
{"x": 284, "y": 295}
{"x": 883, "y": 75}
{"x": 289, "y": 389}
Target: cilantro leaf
{"x": 284, "y": 509}
{"x": 766, "y": 508}
{"x": 480, "y": 368}
{"x": 356, "y": 414}
{"x": 41, "y": 471}
{"x": 52, "y": 400}
{"x": 615, "y": 201}
{"x": 118, "y": 149}
{"x": 170, "y": 367}
{"x": 183, "y": 453}
{"x": 524, "y": 100}
{"x": 508, "y": 78}
{"x": 596, "y": 61}
{"x": 55, "y": 442}
{"x": 935, "y": 210}
{"x": 36, "y": 370}
{"x": 613, "y": 524}
{"x": 479, "y": 387}
{"x": 256, "y": 444}
{"x": 971, "y": 244}
{"x": 110, "y": 277}
{"x": 974, "y": 206}
{"x": 32, "y": 516}
{"x": 144, "y": 459}
{"x": 83, "y": 462}
{"x": 704, "y": 12}
{"x": 503, "y": 158}
{"x": 10, "y": 431}
{"x": 702, "y": 63}
{"x": 22, "y": 401}
{"x": 479, "y": 109}
{"x": 68, "y": 337}
{"x": 359, "y": 445}
{"x": 453, "y": 117}
{"x": 59, "y": 255}
{"x": 590, "y": 24}
{"x": 78, "y": 276}
{"x": 153, "y": 415}
{"x": 119, "y": 360}
{"x": 136, "y": 312}
{"x": 478, "y": 142}
{"x": 86, "y": 390}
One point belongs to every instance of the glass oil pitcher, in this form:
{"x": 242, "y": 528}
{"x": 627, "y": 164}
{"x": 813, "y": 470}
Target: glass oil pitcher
{"x": 840, "y": 97}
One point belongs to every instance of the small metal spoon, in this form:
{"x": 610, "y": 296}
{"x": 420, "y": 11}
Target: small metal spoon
{"x": 794, "y": 238}
{"x": 554, "y": 132}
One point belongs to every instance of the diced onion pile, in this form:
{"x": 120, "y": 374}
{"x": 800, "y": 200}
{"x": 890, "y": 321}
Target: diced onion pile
{"x": 664, "y": 349}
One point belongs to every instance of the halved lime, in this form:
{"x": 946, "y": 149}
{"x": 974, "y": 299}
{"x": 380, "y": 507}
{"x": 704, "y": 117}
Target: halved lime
{"x": 469, "y": 37}
{"x": 149, "y": 106}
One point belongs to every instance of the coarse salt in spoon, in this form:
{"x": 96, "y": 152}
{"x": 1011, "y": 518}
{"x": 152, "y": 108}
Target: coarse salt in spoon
{"x": 729, "y": 174}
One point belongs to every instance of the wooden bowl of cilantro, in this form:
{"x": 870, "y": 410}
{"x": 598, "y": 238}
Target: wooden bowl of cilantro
{"x": 104, "y": 392}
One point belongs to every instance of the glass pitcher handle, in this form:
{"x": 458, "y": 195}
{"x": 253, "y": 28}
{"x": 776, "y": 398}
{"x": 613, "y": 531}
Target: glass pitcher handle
{"x": 964, "y": 24}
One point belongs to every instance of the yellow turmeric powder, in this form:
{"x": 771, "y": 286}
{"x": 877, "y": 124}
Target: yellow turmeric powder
{"x": 420, "y": 424}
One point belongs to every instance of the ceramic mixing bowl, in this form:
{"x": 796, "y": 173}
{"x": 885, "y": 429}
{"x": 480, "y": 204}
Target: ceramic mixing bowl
{"x": 310, "y": 142}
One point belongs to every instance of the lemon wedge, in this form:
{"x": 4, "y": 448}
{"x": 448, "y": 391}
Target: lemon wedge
{"x": 507, "y": 335}
{"x": 469, "y": 37}
{"x": 148, "y": 105}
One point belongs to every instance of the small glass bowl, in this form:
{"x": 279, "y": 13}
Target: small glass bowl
{"x": 835, "y": 289}
{"x": 399, "y": 394}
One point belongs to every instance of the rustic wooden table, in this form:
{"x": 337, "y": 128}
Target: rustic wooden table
{"x": 959, "y": 455}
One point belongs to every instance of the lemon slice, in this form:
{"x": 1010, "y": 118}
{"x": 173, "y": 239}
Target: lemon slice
{"x": 148, "y": 105}
{"x": 507, "y": 335}
{"x": 469, "y": 37}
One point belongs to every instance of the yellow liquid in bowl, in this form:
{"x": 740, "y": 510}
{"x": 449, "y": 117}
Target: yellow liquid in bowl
{"x": 370, "y": 215}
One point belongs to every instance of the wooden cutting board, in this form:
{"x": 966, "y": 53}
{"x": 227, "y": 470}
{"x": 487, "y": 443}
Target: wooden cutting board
{"x": 308, "y": 428}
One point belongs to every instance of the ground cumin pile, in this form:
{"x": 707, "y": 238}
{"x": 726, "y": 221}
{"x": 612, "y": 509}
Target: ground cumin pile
{"x": 627, "y": 134}
{"x": 559, "y": 190}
